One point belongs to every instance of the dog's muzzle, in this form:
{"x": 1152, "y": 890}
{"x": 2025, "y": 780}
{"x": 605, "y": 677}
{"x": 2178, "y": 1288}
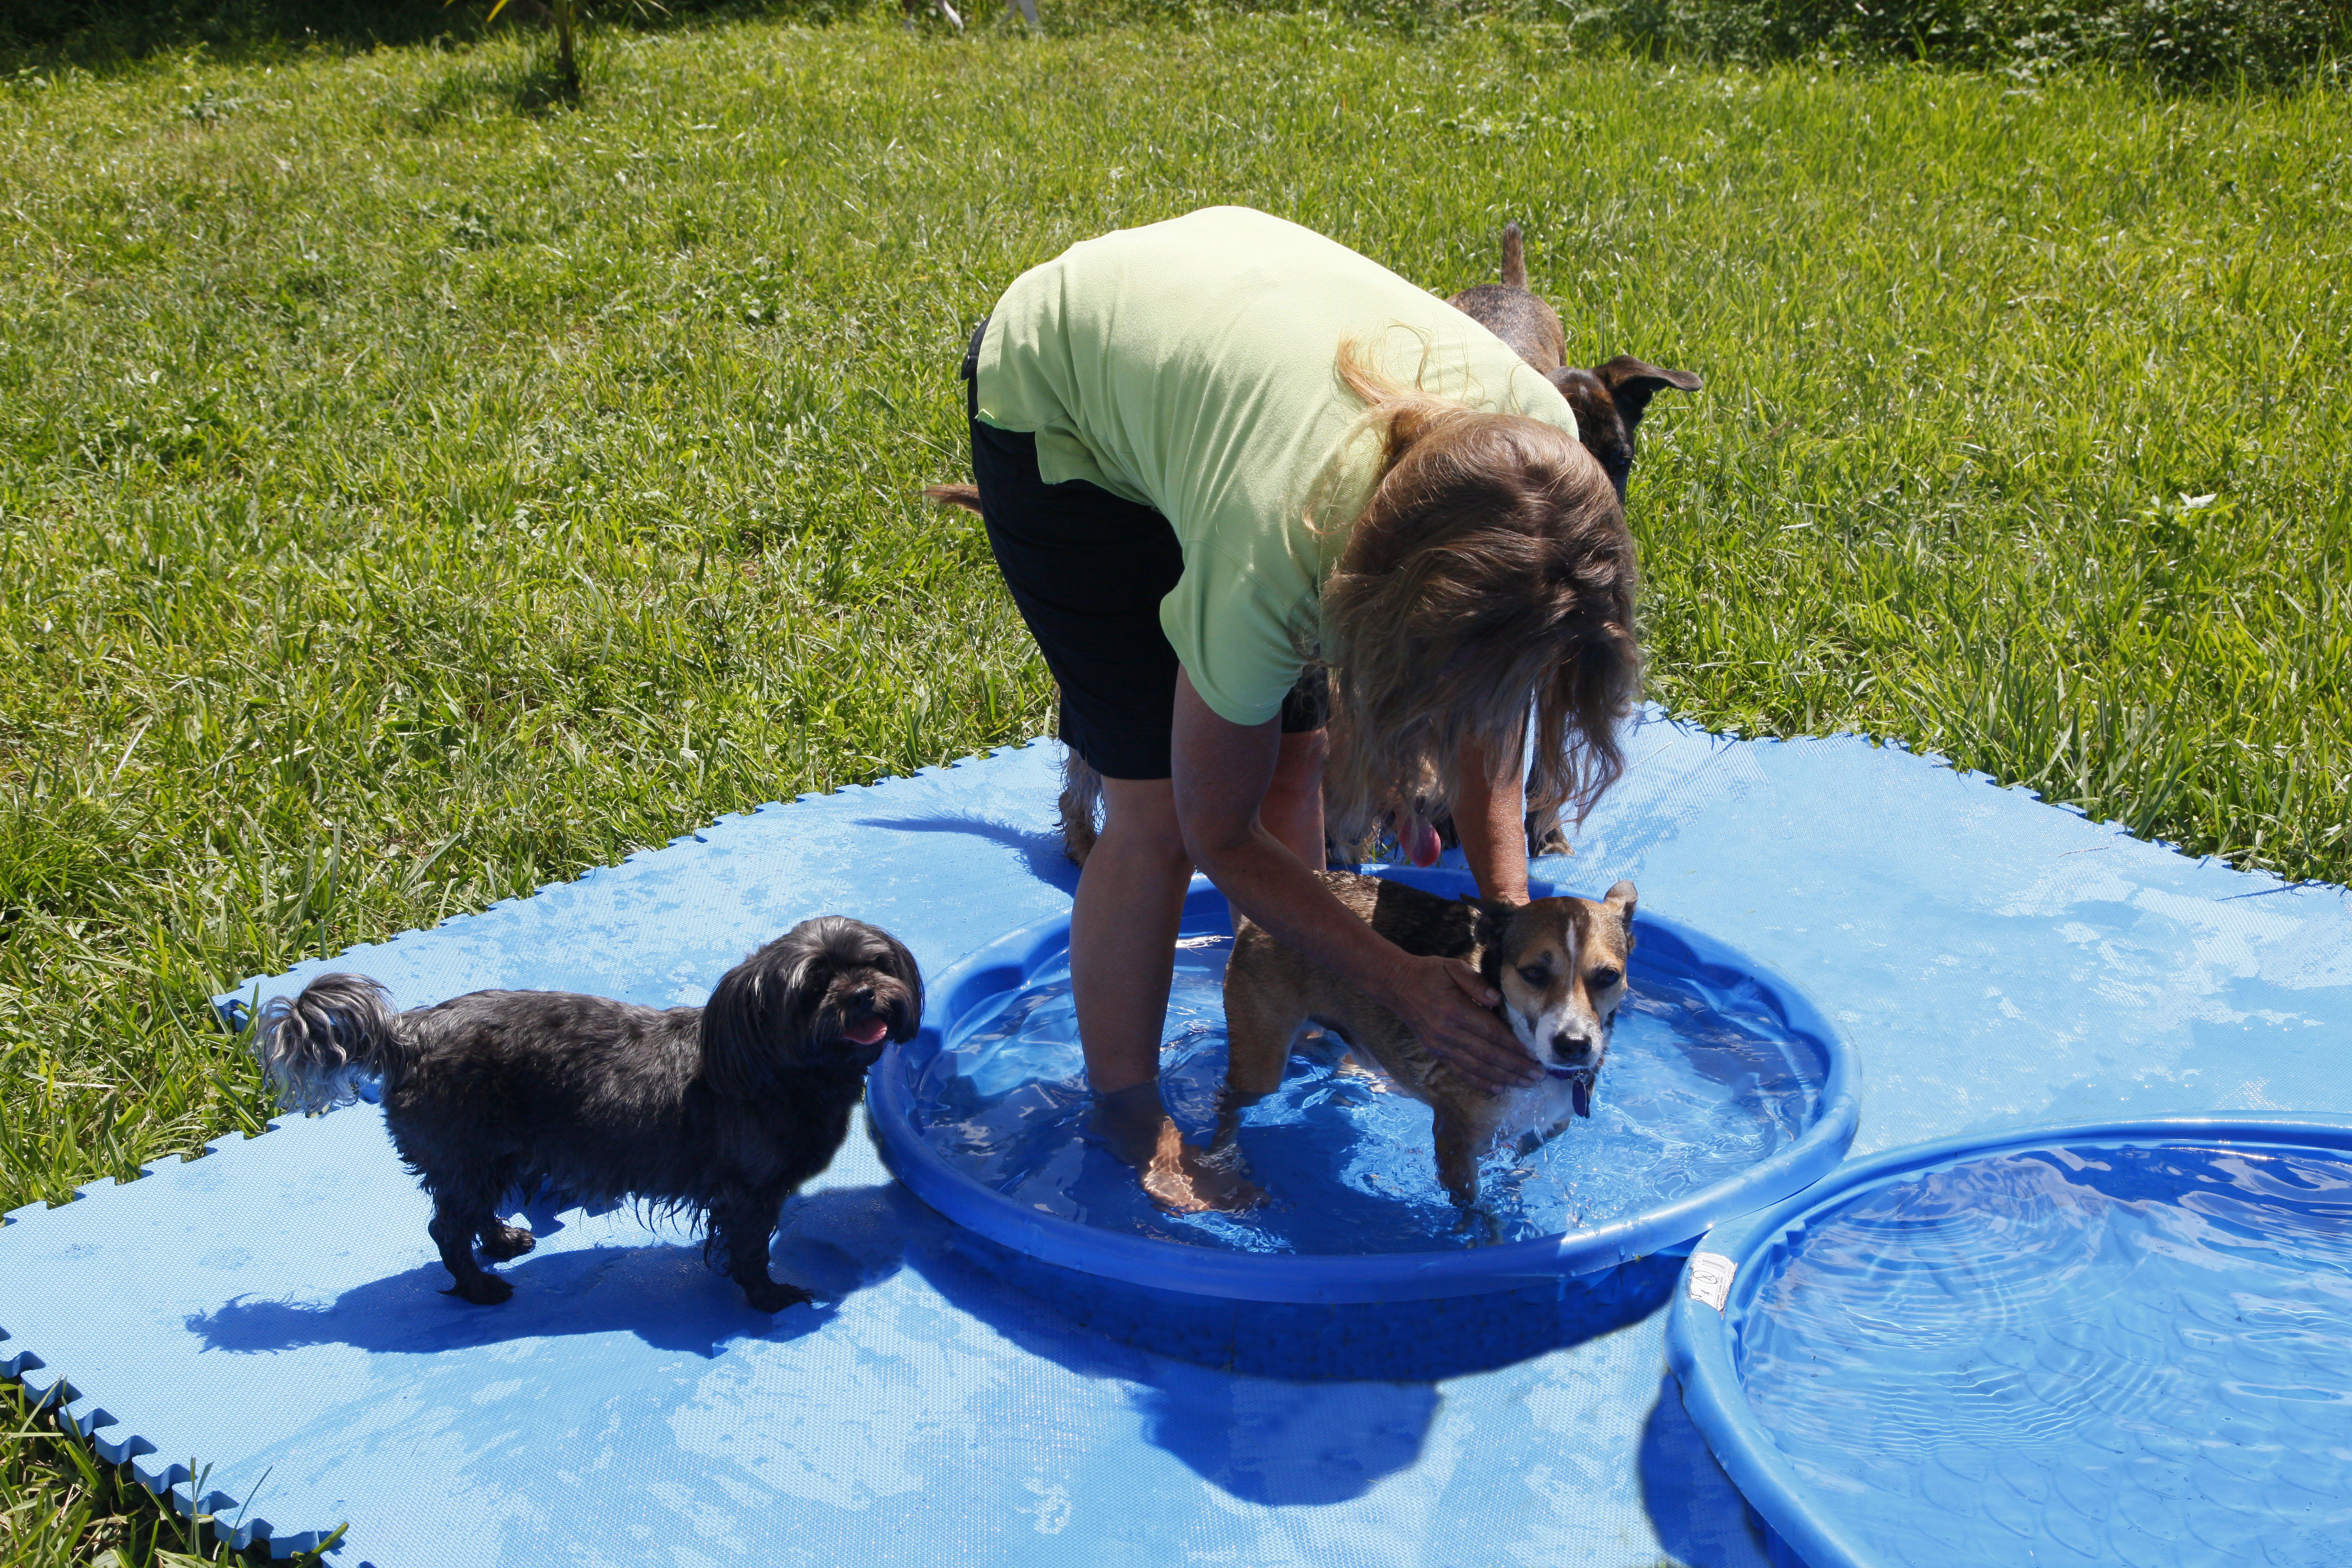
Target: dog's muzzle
{"x": 1579, "y": 1086}
{"x": 879, "y": 1021}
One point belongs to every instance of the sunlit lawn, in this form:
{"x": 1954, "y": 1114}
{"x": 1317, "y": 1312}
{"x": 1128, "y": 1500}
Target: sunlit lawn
{"x": 412, "y": 490}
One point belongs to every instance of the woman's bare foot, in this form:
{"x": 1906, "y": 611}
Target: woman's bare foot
{"x": 1179, "y": 1177}
{"x": 1185, "y": 1180}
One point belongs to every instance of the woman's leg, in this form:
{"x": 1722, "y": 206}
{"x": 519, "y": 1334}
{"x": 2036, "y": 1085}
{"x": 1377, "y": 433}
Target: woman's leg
{"x": 1087, "y": 570}
{"x": 1122, "y": 956}
{"x": 1131, "y": 900}
{"x": 1123, "y": 933}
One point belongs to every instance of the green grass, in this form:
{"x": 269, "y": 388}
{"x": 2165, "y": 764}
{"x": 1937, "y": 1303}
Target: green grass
{"x": 412, "y": 490}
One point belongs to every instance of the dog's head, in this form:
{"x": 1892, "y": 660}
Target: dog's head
{"x": 1560, "y": 966}
{"x": 1609, "y": 400}
{"x": 828, "y": 994}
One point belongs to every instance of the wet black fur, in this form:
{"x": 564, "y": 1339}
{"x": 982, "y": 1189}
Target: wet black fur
{"x": 722, "y": 1111}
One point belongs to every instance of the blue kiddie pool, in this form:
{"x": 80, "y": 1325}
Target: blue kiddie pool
{"x": 2114, "y": 1345}
{"x": 1724, "y": 1090}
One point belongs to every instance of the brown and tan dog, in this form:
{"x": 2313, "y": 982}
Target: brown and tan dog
{"x": 1559, "y": 963}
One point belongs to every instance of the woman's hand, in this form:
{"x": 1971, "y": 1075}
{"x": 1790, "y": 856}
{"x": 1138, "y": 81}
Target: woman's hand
{"x": 1221, "y": 769}
{"x": 1445, "y": 1003}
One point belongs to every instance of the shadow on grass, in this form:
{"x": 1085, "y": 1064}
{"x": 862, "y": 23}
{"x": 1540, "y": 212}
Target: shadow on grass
{"x": 534, "y": 86}
{"x": 104, "y": 36}
{"x": 97, "y": 35}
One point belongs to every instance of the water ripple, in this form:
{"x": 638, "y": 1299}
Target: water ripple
{"x": 2073, "y": 1356}
{"x": 1700, "y": 1084}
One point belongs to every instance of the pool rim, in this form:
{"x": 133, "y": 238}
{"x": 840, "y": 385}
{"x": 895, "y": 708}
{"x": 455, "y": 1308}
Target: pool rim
{"x": 1701, "y": 1337}
{"x": 1339, "y": 1279}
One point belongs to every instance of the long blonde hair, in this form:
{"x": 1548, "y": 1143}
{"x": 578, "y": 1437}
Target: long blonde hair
{"x": 1490, "y": 572}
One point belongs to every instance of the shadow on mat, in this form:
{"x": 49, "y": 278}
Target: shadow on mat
{"x": 1274, "y": 1404}
{"x": 833, "y": 1242}
{"x": 1262, "y": 1440}
{"x": 661, "y": 1294}
{"x": 1043, "y": 851}
{"x": 1699, "y": 1515}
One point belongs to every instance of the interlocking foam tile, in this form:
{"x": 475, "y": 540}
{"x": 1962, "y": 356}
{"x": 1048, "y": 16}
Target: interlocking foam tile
{"x": 263, "y": 1325}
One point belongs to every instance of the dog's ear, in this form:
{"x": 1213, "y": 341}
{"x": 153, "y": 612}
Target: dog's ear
{"x": 757, "y": 1019}
{"x": 1632, "y": 382}
{"x": 1493, "y": 916}
{"x": 1624, "y": 900}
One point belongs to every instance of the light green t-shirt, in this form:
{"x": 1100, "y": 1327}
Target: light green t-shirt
{"x": 1191, "y": 366}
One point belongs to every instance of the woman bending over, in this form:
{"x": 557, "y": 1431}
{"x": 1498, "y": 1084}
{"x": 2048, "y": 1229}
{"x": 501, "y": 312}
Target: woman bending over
{"x": 1217, "y": 456}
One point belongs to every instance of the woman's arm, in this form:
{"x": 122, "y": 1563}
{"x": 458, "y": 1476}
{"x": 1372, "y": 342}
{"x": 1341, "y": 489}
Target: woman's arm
{"x": 1490, "y": 816}
{"x": 1221, "y": 773}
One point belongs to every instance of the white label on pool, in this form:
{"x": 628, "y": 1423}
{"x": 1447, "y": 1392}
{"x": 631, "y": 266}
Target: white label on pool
{"x": 1710, "y": 1277}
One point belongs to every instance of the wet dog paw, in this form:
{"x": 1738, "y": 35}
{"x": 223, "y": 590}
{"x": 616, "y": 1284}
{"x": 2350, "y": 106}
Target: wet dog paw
{"x": 487, "y": 1290}
{"x": 767, "y": 1296}
{"x": 506, "y": 1241}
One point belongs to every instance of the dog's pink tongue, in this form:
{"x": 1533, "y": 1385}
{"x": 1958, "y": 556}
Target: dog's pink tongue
{"x": 1421, "y": 845}
{"x": 868, "y": 1033}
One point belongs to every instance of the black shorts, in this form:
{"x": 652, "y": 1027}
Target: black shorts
{"x": 1089, "y": 570}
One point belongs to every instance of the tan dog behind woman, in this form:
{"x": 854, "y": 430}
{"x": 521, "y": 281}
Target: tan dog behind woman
{"x": 1609, "y": 400}
{"x": 1558, "y": 964}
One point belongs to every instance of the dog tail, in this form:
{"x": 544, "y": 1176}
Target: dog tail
{"x": 964, "y": 496}
{"x": 1082, "y": 794}
{"x": 313, "y": 1046}
{"x": 1515, "y": 258}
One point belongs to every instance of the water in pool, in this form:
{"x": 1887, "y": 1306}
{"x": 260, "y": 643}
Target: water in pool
{"x": 1700, "y": 1084}
{"x": 2095, "y": 1355}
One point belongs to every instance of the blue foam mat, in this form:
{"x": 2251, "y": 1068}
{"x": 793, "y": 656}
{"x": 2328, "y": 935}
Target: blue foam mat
{"x": 269, "y": 1315}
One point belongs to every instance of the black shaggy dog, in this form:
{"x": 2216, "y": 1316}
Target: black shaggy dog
{"x": 722, "y": 1111}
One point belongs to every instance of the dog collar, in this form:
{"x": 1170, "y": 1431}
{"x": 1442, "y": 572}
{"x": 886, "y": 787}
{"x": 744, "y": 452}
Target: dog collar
{"x": 1579, "y": 1086}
